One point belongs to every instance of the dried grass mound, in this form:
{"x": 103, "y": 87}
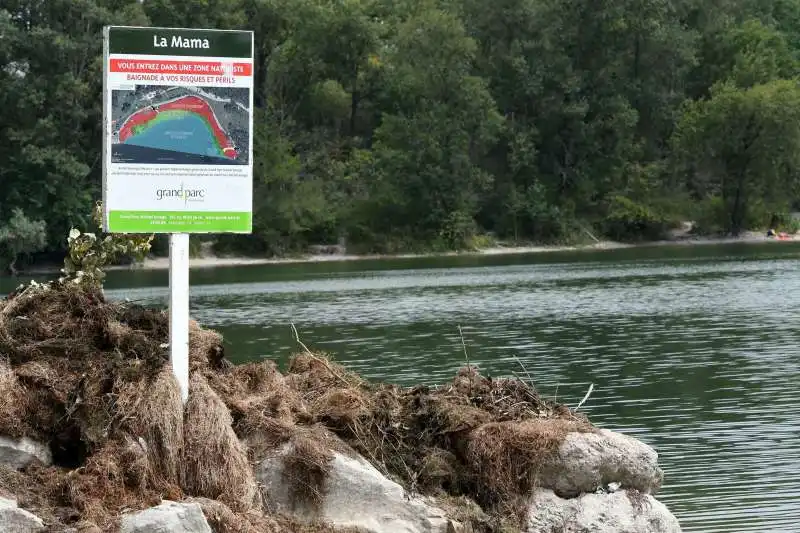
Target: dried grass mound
{"x": 70, "y": 350}
{"x": 266, "y": 411}
{"x": 306, "y": 468}
{"x": 13, "y": 403}
{"x": 257, "y": 395}
{"x": 37, "y": 321}
{"x": 312, "y": 373}
{"x": 92, "y": 378}
{"x": 152, "y": 410}
{"x": 336, "y": 398}
{"x": 224, "y": 520}
{"x": 205, "y": 349}
{"x": 215, "y": 463}
{"x": 341, "y": 408}
{"x": 475, "y": 437}
{"x": 75, "y": 322}
{"x": 39, "y": 489}
{"x": 506, "y": 457}
{"x": 502, "y": 399}
{"x": 438, "y": 470}
{"x": 111, "y": 481}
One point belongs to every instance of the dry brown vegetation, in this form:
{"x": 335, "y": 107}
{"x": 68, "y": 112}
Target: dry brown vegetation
{"x": 477, "y": 438}
{"x": 215, "y": 463}
{"x": 92, "y": 379}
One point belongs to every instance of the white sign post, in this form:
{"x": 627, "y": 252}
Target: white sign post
{"x": 177, "y": 146}
{"x": 179, "y": 310}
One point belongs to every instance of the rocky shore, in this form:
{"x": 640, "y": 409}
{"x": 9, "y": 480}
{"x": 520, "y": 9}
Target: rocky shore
{"x": 94, "y": 438}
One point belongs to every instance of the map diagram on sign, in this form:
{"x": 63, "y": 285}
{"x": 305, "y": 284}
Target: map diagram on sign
{"x": 155, "y": 124}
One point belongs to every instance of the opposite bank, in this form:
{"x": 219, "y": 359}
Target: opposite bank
{"x": 94, "y": 437}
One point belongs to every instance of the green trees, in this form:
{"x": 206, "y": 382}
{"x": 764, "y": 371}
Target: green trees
{"x": 423, "y": 176}
{"x": 424, "y": 124}
{"x": 742, "y": 146}
{"x": 21, "y": 236}
{"x": 50, "y": 83}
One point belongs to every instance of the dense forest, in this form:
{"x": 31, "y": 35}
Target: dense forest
{"x": 400, "y": 125}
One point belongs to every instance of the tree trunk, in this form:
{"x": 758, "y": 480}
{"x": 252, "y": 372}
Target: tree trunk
{"x": 736, "y": 214}
{"x": 260, "y": 84}
{"x": 516, "y": 229}
{"x": 740, "y": 170}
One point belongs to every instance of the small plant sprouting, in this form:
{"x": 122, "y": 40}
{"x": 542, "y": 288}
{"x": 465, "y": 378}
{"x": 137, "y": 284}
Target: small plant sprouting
{"x": 88, "y": 256}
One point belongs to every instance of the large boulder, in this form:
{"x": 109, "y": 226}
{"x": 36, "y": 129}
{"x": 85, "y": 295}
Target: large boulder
{"x": 16, "y": 520}
{"x": 169, "y": 517}
{"x": 587, "y": 461}
{"x": 19, "y": 453}
{"x": 353, "y": 494}
{"x": 602, "y": 512}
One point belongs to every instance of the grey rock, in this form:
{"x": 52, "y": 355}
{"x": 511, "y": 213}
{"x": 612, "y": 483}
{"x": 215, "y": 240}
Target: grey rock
{"x": 616, "y": 512}
{"x": 19, "y": 453}
{"x": 16, "y": 520}
{"x": 169, "y": 517}
{"x": 586, "y": 461}
{"x": 355, "y": 494}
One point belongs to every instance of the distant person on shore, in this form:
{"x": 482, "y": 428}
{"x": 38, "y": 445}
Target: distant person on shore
{"x": 782, "y": 236}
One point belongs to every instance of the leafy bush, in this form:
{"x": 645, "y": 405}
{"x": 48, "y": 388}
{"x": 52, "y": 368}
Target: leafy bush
{"x": 481, "y": 241}
{"x": 631, "y": 221}
{"x": 88, "y": 255}
{"x": 22, "y": 236}
{"x": 714, "y": 217}
{"x": 458, "y": 231}
{"x": 159, "y": 247}
{"x": 784, "y": 221}
{"x": 711, "y": 216}
{"x": 555, "y": 225}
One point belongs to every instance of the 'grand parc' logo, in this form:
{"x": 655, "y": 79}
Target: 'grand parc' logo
{"x": 184, "y": 194}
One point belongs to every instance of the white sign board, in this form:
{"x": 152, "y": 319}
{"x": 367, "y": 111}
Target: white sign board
{"x": 178, "y": 130}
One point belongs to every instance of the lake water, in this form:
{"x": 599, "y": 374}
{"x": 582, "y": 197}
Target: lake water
{"x": 182, "y": 132}
{"x": 694, "y": 350}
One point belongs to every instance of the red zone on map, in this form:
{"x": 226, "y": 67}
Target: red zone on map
{"x": 192, "y": 104}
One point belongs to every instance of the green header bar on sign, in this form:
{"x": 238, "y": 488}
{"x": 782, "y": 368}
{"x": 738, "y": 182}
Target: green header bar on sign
{"x": 179, "y": 222}
{"x": 180, "y": 42}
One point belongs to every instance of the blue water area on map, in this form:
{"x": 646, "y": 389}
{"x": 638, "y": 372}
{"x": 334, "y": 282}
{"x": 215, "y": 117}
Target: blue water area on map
{"x": 185, "y": 133}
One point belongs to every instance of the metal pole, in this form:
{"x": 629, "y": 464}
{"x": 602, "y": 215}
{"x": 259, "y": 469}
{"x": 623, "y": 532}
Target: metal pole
{"x": 179, "y": 310}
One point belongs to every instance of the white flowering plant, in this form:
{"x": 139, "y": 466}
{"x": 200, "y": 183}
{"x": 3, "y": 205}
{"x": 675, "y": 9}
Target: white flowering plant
{"x": 88, "y": 255}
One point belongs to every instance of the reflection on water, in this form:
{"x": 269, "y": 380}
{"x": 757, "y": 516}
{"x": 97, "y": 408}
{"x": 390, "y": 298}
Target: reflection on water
{"x": 697, "y": 356}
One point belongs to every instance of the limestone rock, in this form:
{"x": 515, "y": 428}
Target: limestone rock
{"x": 586, "y": 461}
{"x": 617, "y": 512}
{"x": 169, "y": 517}
{"x": 20, "y": 453}
{"x": 16, "y": 520}
{"x": 354, "y": 494}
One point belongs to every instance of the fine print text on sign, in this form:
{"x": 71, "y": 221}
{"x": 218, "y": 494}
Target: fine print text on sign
{"x": 178, "y": 130}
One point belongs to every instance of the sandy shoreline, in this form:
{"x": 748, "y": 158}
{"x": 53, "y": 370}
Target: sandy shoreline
{"x": 159, "y": 263}
{"x": 162, "y": 263}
